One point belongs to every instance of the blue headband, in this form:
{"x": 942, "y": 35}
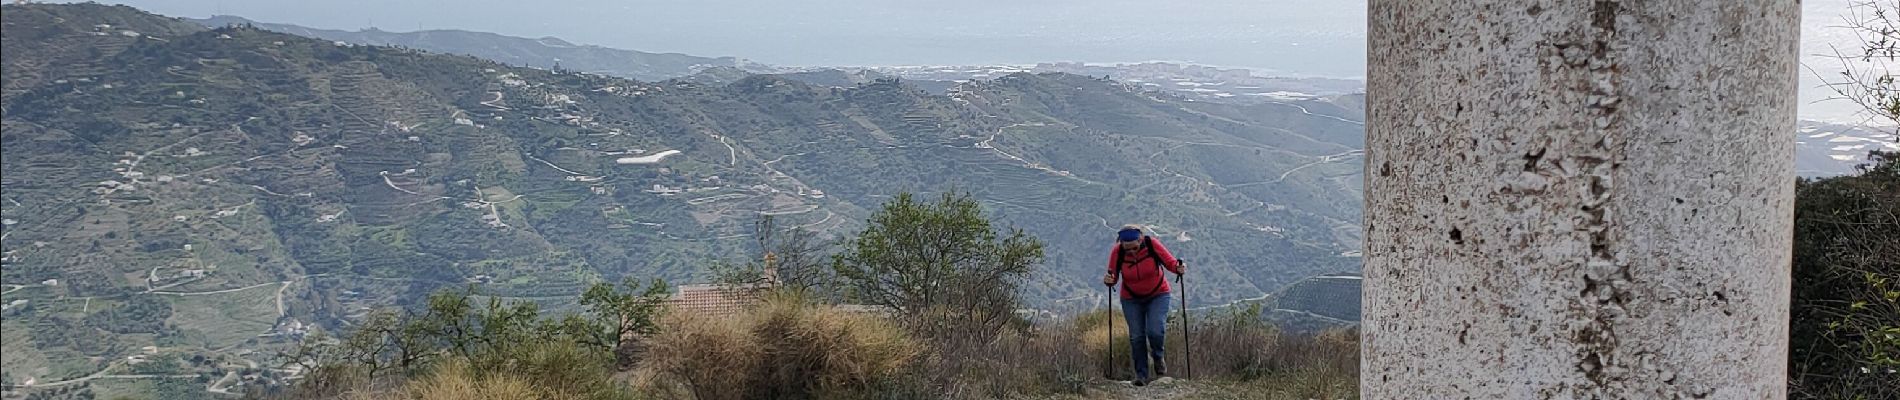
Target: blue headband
{"x": 1128, "y": 235}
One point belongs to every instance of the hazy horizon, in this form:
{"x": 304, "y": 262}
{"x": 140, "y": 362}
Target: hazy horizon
{"x": 1290, "y": 36}
{"x": 1283, "y": 37}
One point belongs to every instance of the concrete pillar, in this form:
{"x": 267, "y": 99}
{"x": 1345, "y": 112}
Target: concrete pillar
{"x": 1579, "y": 199}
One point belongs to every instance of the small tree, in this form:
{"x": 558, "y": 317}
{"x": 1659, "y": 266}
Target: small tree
{"x": 794, "y": 259}
{"x": 494, "y": 335}
{"x": 939, "y": 264}
{"x": 617, "y": 318}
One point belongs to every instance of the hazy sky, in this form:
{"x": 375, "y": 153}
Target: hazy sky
{"x": 1304, "y": 37}
{"x": 1321, "y": 37}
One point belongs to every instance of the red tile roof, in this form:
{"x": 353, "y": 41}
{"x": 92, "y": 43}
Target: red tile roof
{"x": 718, "y": 300}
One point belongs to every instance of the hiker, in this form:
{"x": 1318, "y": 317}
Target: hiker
{"x": 1136, "y": 261}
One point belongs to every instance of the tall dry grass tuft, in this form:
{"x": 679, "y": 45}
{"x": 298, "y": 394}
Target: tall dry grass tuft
{"x": 787, "y": 348}
{"x": 1236, "y": 347}
{"x": 813, "y": 349}
{"x": 456, "y": 380}
{"x": 712, "y": 358}
{"x": 1102, "y": 332}
{"x": 1040, "y": 360}
{"x": 556, "y": 369}
{"x": 1234, "y": 344}
{"x": 329, "y": 381}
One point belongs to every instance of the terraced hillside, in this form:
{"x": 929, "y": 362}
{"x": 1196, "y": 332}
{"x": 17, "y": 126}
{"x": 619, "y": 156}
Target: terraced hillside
{"x": 207, "y": 195}
{"x": 1328, "y": 296}
{"x": 1310, "y": 305}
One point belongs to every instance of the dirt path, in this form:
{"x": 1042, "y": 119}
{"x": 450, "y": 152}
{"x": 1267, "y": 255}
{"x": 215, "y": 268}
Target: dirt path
{"x": 102, "y": 375}
{"x": 828, "y": 216}
{"x": 557, "y": 167}
{"x": 392, "y": 185}
{"x": 172, "y": 285}
{"x": 280, "y": 298}
{"x": 1304, "y": 111}
{"x": 1322, "y": 160}
{"x": 988, "y": 144}
{"x": 1314, "y": 315}
{"x": 491, "y": 103}
{"x": 220, "y": 386}
{"x": 1164, "y": 389}
{"x": 732, "y": 153}
{"x": 221, "y": 291}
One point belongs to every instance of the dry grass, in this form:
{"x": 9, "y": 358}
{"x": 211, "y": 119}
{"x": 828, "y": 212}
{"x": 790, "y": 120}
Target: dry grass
{"x": 1235, "y": 345}
{"x": 1046, "y": 360}
{"x": 542, "y": 370}
{"x": 1240, "y": 351}
{"x": 455, "y": 380}
{"x": 786, "y": 349}
{"x": 712, "y": 358}
{"x": 556, "y": 370}
{"x": 789, "y": 348}
{"x": 1089, "y": 328}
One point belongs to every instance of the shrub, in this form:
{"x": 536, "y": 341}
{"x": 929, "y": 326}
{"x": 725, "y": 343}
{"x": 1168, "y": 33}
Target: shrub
{"x": 940, "y": 264}
{"x": 554, "y": 369}
{"x": 712, "y": 358}
{"x": 1236, "y": 344}
{"x": 1844, "y": 327}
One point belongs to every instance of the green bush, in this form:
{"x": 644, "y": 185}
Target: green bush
{"x": 940, "y": 264}
{"x": 571, "y": 357}
{"x": 1845, "y": 317}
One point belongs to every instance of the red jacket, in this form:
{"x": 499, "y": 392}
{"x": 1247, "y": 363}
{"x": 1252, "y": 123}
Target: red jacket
{"x": 1139, "y": 272}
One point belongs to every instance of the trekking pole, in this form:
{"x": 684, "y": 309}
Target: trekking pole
{"x": 1108, "y": 324}
{"x": 1187, "y": 330}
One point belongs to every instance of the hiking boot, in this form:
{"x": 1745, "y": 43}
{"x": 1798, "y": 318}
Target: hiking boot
{"x": 1161, "y": 369}
{"x": 1139, "y": 382}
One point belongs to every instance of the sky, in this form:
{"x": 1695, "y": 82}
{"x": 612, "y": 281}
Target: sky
{"x": 1282, "y": 37}
{"x": 1294, "y": 36}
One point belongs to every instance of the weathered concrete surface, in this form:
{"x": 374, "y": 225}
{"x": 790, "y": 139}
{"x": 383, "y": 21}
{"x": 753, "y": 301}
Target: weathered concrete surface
{"x": 1579, "y": 199}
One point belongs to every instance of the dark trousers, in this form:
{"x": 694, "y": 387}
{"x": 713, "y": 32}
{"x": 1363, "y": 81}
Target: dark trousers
{"x": 1147, "y": 327}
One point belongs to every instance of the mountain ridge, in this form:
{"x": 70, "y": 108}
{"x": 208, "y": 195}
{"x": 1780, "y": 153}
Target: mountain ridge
{"x": 544, "y": 52}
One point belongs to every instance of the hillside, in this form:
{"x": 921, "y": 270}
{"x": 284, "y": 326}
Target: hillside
{"x": 1193, "y": 81}
{"x": 1824, "y": 149}
{"x": 218, "y": 192}
{"x": 544, "y": 52}
{"x": 1316, "y": 303}
{"x": 1311, "y": 305}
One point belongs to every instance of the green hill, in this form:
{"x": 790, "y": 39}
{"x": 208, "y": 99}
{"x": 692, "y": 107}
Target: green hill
{"x": 228, "y": 187}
